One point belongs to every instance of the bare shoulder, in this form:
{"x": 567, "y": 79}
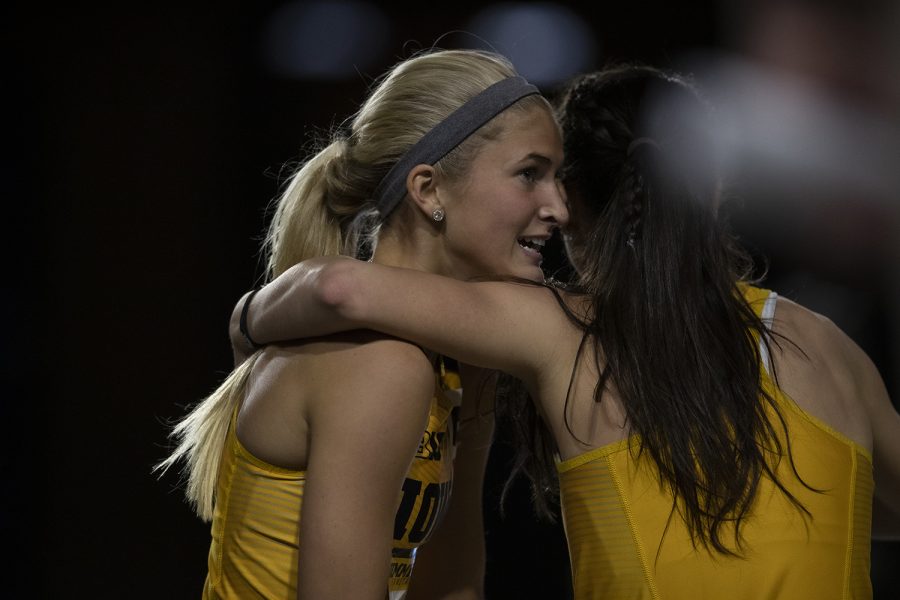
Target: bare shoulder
{"x": 821, "y": 340}
{"x": 360, "y": 370}
{"x": 845, "y": 354}
{"x": 377, "y": 363}
{"x": 825, "y": 371}
{"x": 378, "y": 387}
{"x": 319, "y": 361}
{"x": 842, "y": 386}
{"x": 350, "y": 379}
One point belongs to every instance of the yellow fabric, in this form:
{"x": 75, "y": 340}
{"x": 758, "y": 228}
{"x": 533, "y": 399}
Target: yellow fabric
{"x": 623, "y": 544}
{"x": 253, "y": 553}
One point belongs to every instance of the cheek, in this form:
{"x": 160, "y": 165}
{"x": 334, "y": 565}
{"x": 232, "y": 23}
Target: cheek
{"x": 486, "y": 225}
{"x": 482, "y": 239}
{"x": 491, "y": 222}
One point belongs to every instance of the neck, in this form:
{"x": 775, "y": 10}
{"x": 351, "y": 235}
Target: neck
{"x": 419, "y": 249}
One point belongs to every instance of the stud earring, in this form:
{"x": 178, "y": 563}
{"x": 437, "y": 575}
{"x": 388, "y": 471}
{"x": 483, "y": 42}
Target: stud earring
{"x": 438, "y": 215}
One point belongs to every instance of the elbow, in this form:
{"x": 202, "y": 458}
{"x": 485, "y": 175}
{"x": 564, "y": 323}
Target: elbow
{"x": 335, "y": 288}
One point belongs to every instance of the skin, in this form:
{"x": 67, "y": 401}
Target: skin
{"x": 838, "y": 383}
{"x": 347, "y": 520}
{"x": 520, "y": 329}
{"x": 510, "y": 193}
{"x": 451, "y": 564}
{"x": 304, "y": 398}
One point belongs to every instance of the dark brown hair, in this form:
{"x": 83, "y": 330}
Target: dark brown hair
{"x": 674, "y": 335}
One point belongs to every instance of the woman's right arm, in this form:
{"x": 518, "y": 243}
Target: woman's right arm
{"x": 507, "y": 326}
{"x": 885, "y": 423}
{"x": 292, "y": 306}
{"x": 819, "y": 361}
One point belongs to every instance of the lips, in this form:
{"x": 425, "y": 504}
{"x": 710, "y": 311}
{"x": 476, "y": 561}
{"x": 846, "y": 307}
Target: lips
{"x": 532, "y": 243}
{"x": 532, "y": 247}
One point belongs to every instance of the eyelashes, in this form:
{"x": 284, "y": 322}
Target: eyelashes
{"x": 533, "y": 175}
{"x": 529, "y": 174}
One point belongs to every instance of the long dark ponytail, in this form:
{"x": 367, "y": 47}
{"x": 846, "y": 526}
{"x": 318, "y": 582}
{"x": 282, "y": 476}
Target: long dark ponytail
{"x": 674, "y": 335}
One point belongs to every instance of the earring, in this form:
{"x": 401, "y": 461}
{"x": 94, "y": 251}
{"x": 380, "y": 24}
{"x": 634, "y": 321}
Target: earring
{"x": 438, "y": 215}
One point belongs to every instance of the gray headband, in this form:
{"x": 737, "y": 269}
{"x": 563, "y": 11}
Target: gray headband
{"x": 447, "y": 135}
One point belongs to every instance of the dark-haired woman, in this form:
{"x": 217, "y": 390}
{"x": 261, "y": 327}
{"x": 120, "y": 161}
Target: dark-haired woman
{"x": 713, "y": 439}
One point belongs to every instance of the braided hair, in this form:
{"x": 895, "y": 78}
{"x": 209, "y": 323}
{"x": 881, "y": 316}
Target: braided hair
{"x": 673, "y": 334}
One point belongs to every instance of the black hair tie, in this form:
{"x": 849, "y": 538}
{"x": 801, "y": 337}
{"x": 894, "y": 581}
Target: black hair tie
{"x": 243, "y": 324}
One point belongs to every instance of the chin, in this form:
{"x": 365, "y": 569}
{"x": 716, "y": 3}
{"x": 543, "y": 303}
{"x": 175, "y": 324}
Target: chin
{"x": 534, "y": 274}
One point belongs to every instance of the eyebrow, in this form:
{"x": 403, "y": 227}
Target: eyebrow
{"x": 538, "y": 157}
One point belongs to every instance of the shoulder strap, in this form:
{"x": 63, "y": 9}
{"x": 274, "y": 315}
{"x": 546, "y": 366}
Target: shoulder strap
{"x": 767, "y": 317}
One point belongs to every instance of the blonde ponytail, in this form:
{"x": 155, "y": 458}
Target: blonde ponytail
{"x": 326, "y": 199}
{"x": 304, "y": 225}
{"x": 201, "y": 435}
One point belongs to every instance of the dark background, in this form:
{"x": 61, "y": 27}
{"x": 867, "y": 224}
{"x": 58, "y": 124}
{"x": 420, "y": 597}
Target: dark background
{"x": 142, "y": 148}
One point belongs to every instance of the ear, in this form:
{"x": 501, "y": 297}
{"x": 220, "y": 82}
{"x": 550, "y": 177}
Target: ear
{"x": 421, "y": 185}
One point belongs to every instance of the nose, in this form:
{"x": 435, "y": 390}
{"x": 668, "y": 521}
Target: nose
{"x": 555, "y": 208}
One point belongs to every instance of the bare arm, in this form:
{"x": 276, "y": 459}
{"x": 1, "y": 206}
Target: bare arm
{"x": 364, "y": 434}
{"x": 289, "y": 307}
{"x": 885, "y": 423}
{"x": 240, "y": 347}
{"x": 451, "y": 564}
{"x": 512, "y": 327}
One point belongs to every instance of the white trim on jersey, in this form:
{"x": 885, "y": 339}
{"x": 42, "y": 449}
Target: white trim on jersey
{"x": 767, "y": 317}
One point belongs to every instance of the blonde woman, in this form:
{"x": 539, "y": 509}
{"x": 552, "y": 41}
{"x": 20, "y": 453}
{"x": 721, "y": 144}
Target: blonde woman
{"x": 310, "y": 459}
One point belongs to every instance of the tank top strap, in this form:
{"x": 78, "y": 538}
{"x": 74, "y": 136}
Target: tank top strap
{"x": 767, "y": 316}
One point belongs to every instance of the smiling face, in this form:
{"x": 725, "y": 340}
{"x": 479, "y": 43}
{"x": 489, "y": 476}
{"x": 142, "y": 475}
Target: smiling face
{"x": 500, "y": 213}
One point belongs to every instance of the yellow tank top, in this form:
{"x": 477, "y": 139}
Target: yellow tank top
{"x": 623, "y": 545}
{"x": 256, "y": 522}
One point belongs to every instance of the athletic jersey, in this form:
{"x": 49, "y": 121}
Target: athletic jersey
{"x": 623, "y": 543}
{"x": 256, "y": 522}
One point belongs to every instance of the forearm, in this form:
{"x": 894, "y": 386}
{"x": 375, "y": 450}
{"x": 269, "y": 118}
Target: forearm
{"x": 307, "y": 300}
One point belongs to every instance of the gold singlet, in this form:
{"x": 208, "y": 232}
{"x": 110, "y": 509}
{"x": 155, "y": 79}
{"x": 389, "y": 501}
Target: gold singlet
{"x": 256, "y": 523}
{"x": 623, "y": 545}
